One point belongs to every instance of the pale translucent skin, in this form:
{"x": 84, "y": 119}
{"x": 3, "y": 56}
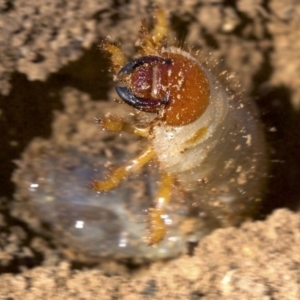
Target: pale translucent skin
{"x": 225, "y": 170}
{"x": 87, "y": 226}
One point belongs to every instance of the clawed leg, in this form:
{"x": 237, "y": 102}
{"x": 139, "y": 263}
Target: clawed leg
{"x": 117, "y": 57}
{"x": 160, "y": 28}
{"x": 157, "y": 226}
{"x": 122, "y": 172}
{"x": 151, "y": 40}
{"x": 116, "y": 124}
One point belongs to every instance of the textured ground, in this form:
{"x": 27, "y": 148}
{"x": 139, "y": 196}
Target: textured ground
{"x": 55, "y": 43}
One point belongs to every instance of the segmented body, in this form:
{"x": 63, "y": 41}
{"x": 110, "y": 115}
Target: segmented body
{"x": 207, "y": 141}
{"x": 204, "y": 150}
{"x": 224, "y": 148}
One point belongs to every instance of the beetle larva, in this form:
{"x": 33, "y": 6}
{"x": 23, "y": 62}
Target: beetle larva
{"x": 205, "y": 140}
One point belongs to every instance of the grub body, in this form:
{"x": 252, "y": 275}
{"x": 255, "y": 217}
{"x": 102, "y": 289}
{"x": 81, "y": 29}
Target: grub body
{"x": 204, "y": 137}
{"x": 225, "y": 165}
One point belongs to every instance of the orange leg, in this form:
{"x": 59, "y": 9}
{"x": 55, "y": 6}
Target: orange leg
{"x": 151, "y": 41}
{"x": 157, "y": 226}
{"x": 160, "y": 29}
{"x": 122, "y": 172}
{"x": 116, "y": 124}
{"x": 117, "y": 56}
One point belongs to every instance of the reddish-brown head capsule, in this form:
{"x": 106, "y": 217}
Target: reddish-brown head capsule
{"x": 171, "y": 84}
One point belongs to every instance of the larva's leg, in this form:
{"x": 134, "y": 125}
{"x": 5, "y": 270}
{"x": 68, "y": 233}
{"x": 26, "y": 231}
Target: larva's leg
{"x": 116, "y": 124}
{"x": 157, "y": 227}
{"x": 151, "y": 41}
{"x": 117, "y": 56}
{"x": 160, "y": 28}
{"x": 122, "y": 172}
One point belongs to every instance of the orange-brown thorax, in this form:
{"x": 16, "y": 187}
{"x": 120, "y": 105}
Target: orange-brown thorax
{"x": 182, "y": 83}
